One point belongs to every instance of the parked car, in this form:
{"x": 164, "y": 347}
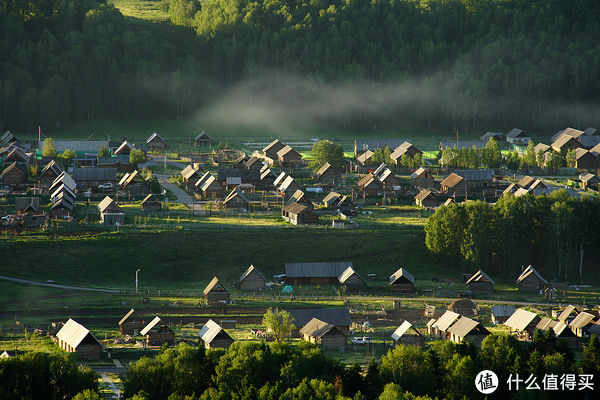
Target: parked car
{"x": 108, "y": 185}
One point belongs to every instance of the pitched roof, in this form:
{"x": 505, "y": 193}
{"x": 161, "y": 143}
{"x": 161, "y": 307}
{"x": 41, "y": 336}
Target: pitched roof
{"x": 152, "y": 324}
{"x": 521, "y": 319}
{"x": 334, "y": 316}
{"x": 364, "y": 157}
{"x": 516, "y": 132}
{"x": 236, "y": 193}
{"x": 299, "y": 197}
{"x": 208, "y": 182}
{"x": 201, "y": 135}
{"x": 317, "y": 328}
{"x": 590, "y": 131}
{"x": 423, "y": 194}
{"x": 560, "y": 327}
{"x": 129, "y": 314}
{"x": 51, "y": 166}
{"x": 582, "y": 320}
{"x": 62, "y": 202}
{"x": 74, "y": 333}
{"x": 324, "y": 168}
{"x": 401, "y": 273}
{"x": 189, "y": 171}
{"x": 155, "y": 136}
{"x": 541, "y": 147}
{"x": 280, "y": 178}
{"x": 123, "y": 146}
{"x": 562, "y": 140}
{"x": 11, "y": 167}
{"x": 594, "y": 329}
{"x": 403, "y": 328}
{"x": 107, "y": 202}
{"x": 531, "y": 271}
{"x": 150, "y": 197}
{"x": 274, "y": 146}
{"x": 214, "y": 283}
{"x": 200, "y": 182}
{"x": 249, "y": 271}
{"x": 17, "y": 154}
{"x": 451, "y": 180}
{"x": 447, "y": 319}
{"x": 485, "y": 175}
{"x": 464, "y": 326}
{"x": 417, "y": 174}
{"x": 546, "y": 323}
{"x": 489, "y": 135}
{"x": 525, "y": 182}
{"x": 503, "y": 311}
{"x": 347, "y": 274}
{"x": 480, "y": 276}
{"x": 288, "y": 183}
{"x": 331, "y": 198}
{"x": 295, "y": 208}
{"x": 567, "y": 312}
{"x": 210, "y": 331}
{"x": 95, "y": 174}
{"x": 287, "y": 150}
{"x": 587, "y": 177}
{"x": 568, "y": 132}
{"x": 316, "y": 269}
{"x": 251, "y": 161}
{"x": 589, "y": 141}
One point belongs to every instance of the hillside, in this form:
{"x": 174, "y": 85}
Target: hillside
{"x": 445, "y": 65}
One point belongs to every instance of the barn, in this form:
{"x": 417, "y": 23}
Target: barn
{"x": 352, "y": 281}
{"x": 214, "y": 336}
{"x": 253, "y": 280}
{"x": 327, "y": 335}
{"x": 407, "y": 334}
{"x": 215, "y": 293}
{"x": 402, "y": 281}
{"x": 314, "y": 272}
{"x": 75, "y": 338}
{"x": 131, "y": 324}
{"x": 531, "y": 281}
{"x": 157, "y": 333}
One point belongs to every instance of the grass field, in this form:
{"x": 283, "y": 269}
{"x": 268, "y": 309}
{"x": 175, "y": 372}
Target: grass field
{"x": 147, "y": 10}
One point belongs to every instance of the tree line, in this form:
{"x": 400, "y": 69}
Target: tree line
{"x": 467, "y": 65}
{"x": 557, "y": 234}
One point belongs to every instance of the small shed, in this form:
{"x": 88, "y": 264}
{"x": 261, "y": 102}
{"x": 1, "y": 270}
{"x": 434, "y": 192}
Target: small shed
{"x": 481, "y": 283}
{"x": 131, "y": 324}
{"x": 110, "y": 212}
{"x": 202, "y": 139}
{"x": 328, "y": 175}
{"x": 352, "y": 280}
{"x": 531, "y": 281}
{"x": 407, "y": 334}
{"x": 157, "y": 333}
{"x": 151, "y": 203}
{"x": 440, "y": 327}
{"x": 463, "y": 307}
{"x": 581, "y": 323}
{"x": 299, "y": 214}
{"x": 501, "y": 313}
{"x": 253, "y": 280}
{"x": 430, "y": 324}
{"x": 327, "y": 335}
{"x": 402, "y": 281}
{"x": 156, "y": 142}
{"x": 215, "y": 293}
{"x": 523, "y": 324}
{"x": 469, "y": 330}
{"x": 214, "y": 336}
{"x": 76, "y": 338}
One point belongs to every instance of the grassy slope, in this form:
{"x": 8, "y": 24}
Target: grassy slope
{"x": 190, "y": 259}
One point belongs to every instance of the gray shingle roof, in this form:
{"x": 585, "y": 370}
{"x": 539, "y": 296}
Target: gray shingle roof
{"x": 316, "y": 269}
{"x": 403, "y": 328}
{"x": 401, "y": 273}
{"x": 480, "y": 276}
{"x": 521, "y": 319}
{"x": 334, "y": 316}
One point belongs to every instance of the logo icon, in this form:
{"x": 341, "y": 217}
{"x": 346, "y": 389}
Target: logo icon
{"x": 486, "y": 381}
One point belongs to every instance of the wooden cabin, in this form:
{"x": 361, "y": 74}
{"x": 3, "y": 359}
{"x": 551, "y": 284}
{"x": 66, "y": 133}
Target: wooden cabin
{"x": 352, "y": 281}
{"x": 288, "y": 187}
{"x": 370, "y": 185}
{"x": 522, "y": 324}
{"x": 584, "y": 159}
{"x": 568, "y": 314}
{"x": 236, "y": 200}
{"x": 157, "y": 333}
{"x": 252, "y": 280}
{"x": 338, "y": 317}
{"x": 327, "y": 335}
{"x": 75, "y": 338}
{"x": 134, "y": 183}
{"x": 365, "y": 158}
{"x": 469, "y": 330}
{"x": 422, "y": 179}
{"x": 124, "y": 149}
{"x": 581, "y": 323}
{"x": 110, "y": 212}
{"x": 156, "y": 142}
{"x": 328, "y": 175}
{"x": 589, "y": 181}
{"x": 151, "y": 203}
{"x": 440, "y": 327}
{"x": 131, "y": 324}
{"x": 271, "y": 150}
{"x": 480, "y": 283}
{"x": 49, "y": 173}
{"x": 288, "y": 156}
{"x": 426, "y": 198}
{"x": 500, "y": 314}
{"x": 563, "y": 333}
{"x": 214, "y": 336}
{"x": 402, "y": 281}
{"x": 455, "y": 185}
{"x": 531, "y": 281}
{"x": 517, "y": 136}
{"x": 407, "y": 334}
{"x": 299, "y": 214}
{"x": 215, "y": 293}
{"x": 212, "y": 188}
{"x": 13, "y": 175}
{"x": 300, "y": 197}
{"x": 202, "y": 139}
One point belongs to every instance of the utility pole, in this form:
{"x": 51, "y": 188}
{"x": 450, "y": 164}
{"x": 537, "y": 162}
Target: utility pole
{"x": 136, "y": 281}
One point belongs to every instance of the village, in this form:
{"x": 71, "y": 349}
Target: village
{"x": 353, "y": 309}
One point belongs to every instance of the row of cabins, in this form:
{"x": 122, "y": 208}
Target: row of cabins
{"x": 586, "y": 146}
{"x": 364, "y": 149}
{"x": 279, "y": 153}
{"x": 456, "y": 327}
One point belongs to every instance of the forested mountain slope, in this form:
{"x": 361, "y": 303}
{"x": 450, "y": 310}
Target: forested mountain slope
{"x": 450, "y": 64}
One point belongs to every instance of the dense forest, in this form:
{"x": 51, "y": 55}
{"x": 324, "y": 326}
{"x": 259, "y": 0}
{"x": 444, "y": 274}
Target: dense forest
{"x": 445, "y": 64}
{"x": 252, "y": 370}
{"x": 556, "y": 234}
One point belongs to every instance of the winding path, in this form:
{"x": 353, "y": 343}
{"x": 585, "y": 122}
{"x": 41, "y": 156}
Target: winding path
{"x": 57, "y": 286}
